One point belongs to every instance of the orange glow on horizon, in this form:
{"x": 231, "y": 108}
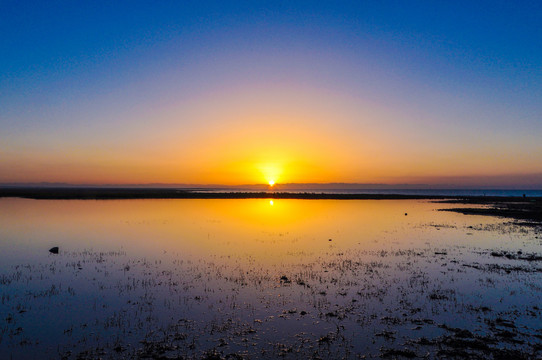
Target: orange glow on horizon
{"x": 262, "y": 136}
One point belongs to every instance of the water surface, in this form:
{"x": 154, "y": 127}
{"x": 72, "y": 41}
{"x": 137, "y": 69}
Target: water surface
{"x": 265, "y": 278}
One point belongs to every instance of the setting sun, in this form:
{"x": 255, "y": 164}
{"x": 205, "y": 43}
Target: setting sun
{"x": 271, "y": 172}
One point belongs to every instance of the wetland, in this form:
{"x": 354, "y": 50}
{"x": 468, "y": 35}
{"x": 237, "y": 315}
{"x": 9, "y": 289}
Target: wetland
{"x": 267, "y": 278}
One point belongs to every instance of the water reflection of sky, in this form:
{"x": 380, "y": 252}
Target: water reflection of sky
{"x": 224, "y": 273}
{"x": 270, "y": 228}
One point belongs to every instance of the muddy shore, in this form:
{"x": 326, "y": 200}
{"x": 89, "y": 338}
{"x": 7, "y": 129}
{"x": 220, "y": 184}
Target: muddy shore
{"x": 527, "y": 210}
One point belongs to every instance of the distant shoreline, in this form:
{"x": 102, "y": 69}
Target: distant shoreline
{"x": 105, "y": 193}
{"x": 78, "y": 193}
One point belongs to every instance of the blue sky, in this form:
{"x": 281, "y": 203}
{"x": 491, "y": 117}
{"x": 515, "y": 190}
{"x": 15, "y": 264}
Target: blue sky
{"x": 86, "y": 87}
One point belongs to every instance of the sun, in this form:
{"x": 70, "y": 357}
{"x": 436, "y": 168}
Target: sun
{"x": 271, "y": 172}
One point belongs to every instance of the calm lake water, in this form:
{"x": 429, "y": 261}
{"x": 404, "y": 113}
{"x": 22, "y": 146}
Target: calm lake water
{"x": 265, "y": 278}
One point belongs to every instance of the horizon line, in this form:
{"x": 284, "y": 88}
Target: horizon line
{"x": 285, "y": 186}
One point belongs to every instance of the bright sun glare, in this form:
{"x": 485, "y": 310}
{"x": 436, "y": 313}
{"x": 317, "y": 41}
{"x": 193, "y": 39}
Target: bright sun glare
{"x": 270, "y": 172}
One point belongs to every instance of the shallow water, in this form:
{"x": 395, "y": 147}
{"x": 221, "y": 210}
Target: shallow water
{"x": 265, "y": 278}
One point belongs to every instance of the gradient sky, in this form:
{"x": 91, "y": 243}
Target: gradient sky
{"x": 224, "y": 92}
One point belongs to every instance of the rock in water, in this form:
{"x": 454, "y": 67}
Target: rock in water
{"x": 54, "y": 250}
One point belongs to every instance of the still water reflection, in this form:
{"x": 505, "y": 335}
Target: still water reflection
{"x": 264, "y": 278}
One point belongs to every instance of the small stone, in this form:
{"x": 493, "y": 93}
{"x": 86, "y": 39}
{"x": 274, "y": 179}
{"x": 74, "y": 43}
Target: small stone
{"x": 54, "y": 250}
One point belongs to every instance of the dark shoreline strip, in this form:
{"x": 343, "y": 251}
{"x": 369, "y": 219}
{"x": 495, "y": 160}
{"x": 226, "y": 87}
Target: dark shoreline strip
{"x": 527, "y": 212}
{"x": 159, "y": 193}
{"x": 95, "y": 193}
